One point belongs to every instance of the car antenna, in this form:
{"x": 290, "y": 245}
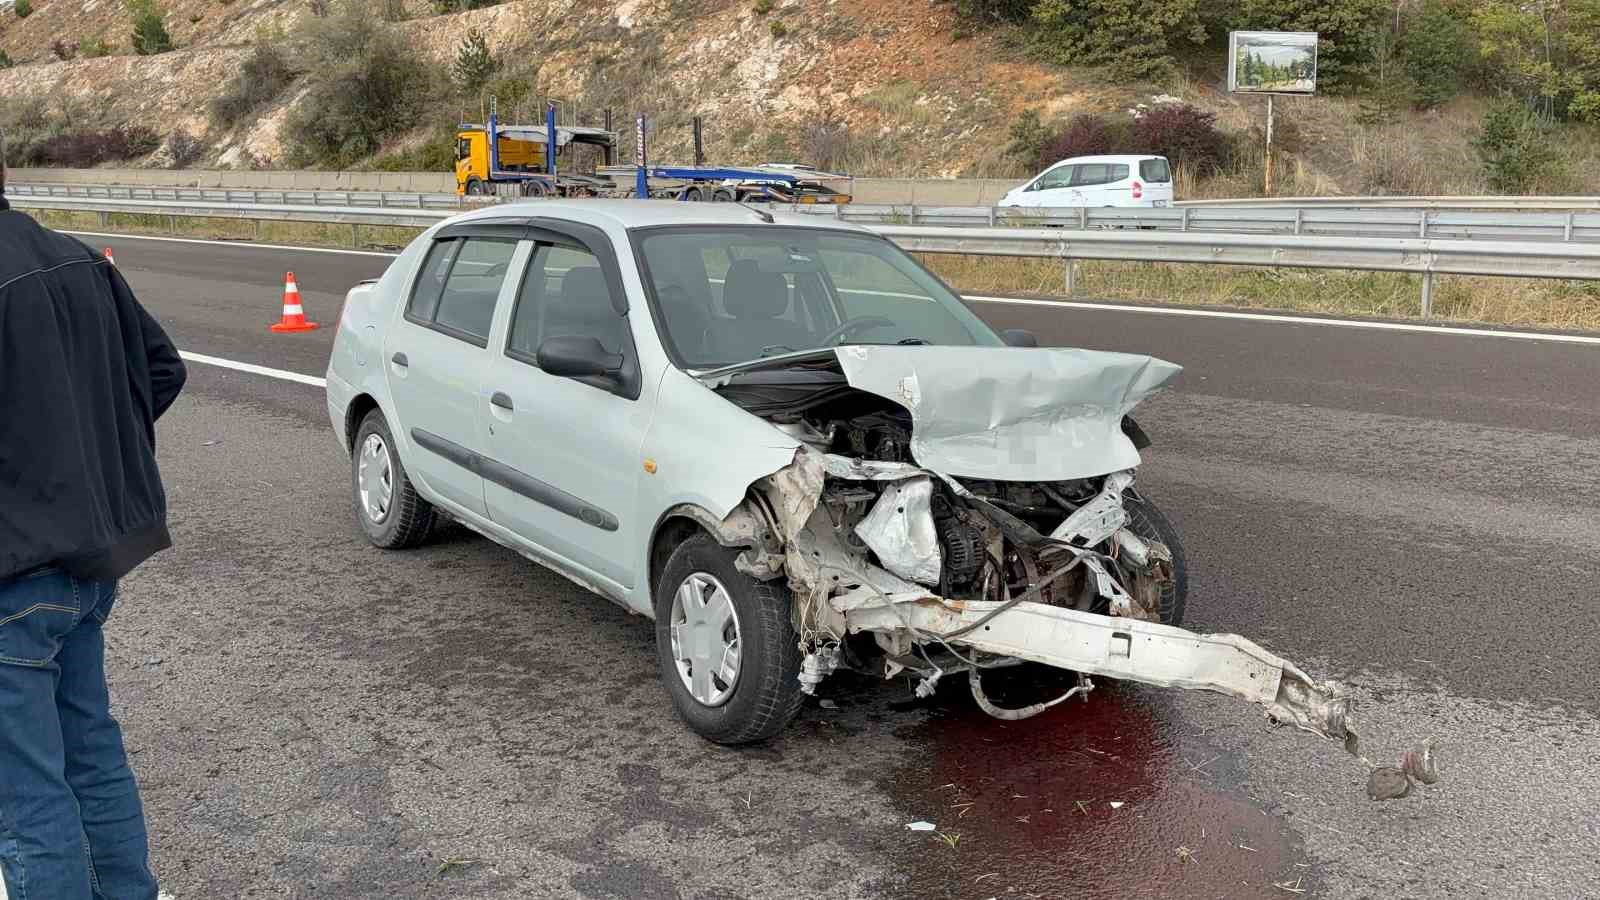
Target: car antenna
{"x": 765, "y": 216}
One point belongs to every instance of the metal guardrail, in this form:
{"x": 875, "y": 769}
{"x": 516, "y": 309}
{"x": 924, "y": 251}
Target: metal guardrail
{"x": 1314, "y": 216}
{"x": 1397, "y": 223}
{"x": 252, "y": 196}
{"x": 1526, "y": 203}
{"x": 1427, "y": 257}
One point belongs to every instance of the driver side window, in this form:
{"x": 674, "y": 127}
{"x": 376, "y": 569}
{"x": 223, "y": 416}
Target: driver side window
{"x": 1059, "y": 177}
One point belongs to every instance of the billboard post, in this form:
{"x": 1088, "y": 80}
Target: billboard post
{"x": 1272, "y": 63}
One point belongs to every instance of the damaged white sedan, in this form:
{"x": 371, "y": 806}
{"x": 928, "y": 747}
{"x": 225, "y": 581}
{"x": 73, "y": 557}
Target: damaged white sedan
{"x": 789, "y": 444}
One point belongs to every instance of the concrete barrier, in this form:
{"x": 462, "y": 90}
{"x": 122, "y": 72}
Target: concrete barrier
{"x": 925, "y": 192}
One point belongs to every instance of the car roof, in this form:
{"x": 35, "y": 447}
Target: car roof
{"x": 631, "y": 214}
{"x": 1110, "y": 158}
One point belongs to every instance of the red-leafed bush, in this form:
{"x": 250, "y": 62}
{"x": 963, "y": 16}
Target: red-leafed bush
{"x": 1184, "y": 134}
{"x": 1086, "y": 134}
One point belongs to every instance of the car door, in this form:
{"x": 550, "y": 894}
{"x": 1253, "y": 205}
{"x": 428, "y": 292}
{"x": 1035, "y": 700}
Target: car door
{"x": 1089, "y": 180}
{"x": 436, "y": 352}
{"x": 1053, "y": 188}
{"x": 563, "y": 455}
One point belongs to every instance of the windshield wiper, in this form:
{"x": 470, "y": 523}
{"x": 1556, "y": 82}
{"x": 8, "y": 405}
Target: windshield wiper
{"x": 913, "y": 340}
{"x": 768, "y": 349}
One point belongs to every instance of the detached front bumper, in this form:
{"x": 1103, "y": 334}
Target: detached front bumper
{"x": 1125, "y": 648}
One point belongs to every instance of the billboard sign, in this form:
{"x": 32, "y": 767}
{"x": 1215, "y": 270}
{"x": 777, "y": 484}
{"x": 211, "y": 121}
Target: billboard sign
{"x": 1272, "y": 62}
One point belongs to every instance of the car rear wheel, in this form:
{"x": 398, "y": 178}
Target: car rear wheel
{"x": 725, "y": 644}
{"x": 390, "y": 511}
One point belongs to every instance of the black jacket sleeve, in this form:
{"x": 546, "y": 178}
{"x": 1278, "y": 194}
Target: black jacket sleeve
{"x": 165, "y": 367}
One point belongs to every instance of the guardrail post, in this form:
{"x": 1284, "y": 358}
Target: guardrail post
{"x": 1567, "y": 234}
{"x": 1083, "y": 218}
{"x": 1422, "y": 226}
{"x": 257, "y": 229}
{"x": 172, "y": 224}
{"x": 1183, "y": 221}
{"x": 1299, "y": 216}
{"x": 105, "y": 219}
{"x": 991, "y": 217}
{"x": 1427, "y": 294}
{"x": 913, "y": 214}
{"x": 355, "y": 235}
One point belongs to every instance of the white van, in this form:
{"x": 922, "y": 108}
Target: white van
{"x": 1098, "y": 181}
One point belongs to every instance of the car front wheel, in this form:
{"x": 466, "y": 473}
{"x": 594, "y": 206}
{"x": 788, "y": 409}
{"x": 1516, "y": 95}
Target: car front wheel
{"x": 390, "y": 511}
{"x": 725, "y": 643}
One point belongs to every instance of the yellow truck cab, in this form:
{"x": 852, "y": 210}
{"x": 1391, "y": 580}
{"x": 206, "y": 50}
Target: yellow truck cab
{"x": 518, "y": 163}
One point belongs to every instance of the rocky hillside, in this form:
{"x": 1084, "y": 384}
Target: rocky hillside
{"x": 773, "y": 79}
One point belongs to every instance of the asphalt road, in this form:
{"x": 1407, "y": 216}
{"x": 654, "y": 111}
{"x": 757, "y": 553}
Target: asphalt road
{"x": 1413, "y": 513}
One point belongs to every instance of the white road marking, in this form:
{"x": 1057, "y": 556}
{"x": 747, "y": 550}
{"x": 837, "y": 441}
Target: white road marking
{"x": 253, "y": 369}
{"x": 1298, "y": 320}
{"x": 173, "y": 240}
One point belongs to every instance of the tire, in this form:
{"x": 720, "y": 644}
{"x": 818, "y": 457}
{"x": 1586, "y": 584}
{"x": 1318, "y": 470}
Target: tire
{"x": 693, "y": 195}
{"x": 474, "y": 187}
{"x": 765, "y": 691}
{"x": 1148, "y": 522}
{"x": 723, "y": 195}
{"x": 406, "y": 519}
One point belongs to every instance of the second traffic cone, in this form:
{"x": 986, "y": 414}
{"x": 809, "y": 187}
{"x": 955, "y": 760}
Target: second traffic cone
{"x": 294, "y": 314}
{"x": 111, "y": 257}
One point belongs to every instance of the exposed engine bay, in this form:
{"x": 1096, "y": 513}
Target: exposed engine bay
{"x": 934, "y": 523}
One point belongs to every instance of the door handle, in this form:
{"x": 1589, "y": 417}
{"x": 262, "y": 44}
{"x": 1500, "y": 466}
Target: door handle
{"x": 399, "y": 359}
{"x": 502, "y": 400}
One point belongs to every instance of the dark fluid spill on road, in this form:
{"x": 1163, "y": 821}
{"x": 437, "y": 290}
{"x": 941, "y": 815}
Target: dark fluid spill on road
{"x": 1032, "y": 803}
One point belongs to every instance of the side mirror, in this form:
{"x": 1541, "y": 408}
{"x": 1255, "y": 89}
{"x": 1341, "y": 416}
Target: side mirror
{"x": 1019, "y": 337}
{"x": 577, "y": 356}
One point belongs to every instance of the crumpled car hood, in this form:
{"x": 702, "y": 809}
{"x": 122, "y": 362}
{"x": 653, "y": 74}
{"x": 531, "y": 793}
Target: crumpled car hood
{"x": 1012, "y": 413}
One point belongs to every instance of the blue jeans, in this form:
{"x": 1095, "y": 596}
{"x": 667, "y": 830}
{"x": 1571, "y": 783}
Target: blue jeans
{"x": 71, "y": 824}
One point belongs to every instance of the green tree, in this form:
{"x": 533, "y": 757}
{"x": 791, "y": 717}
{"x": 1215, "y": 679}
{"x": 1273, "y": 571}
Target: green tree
{"x": 1389, "y": 90}
{"x": 150, "y": 35}
{"x": 995, "y": 12}
{"x": 1516, "y": 150}
{"x": 1028, "y": 137}
{"x": 1132, "y": 39}
{"x": 1546, "y": 53}
{"x": 473, "y": 63}
{"x": 23, "y": 9}
{"x": 1435, "y": 50}
{"x": 365, "y": 85}
{"x": 5, "y": 60}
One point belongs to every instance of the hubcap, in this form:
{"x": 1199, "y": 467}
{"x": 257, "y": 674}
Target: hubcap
{"x": 705, "y": 639}
{"x": 375, "y": 479}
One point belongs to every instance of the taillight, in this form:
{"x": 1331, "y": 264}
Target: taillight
{"x": 1138, "y": 190}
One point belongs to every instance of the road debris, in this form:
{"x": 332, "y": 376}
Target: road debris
{"x": 921, "y": 826}
{"x": 1387, "y": 783}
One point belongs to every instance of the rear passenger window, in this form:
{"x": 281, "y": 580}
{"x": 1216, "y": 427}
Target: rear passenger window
{"x": 565, "y": 293}
{"x": 1091, "y": 174}
{"x": 1155, "y": 171}
{"x": 459, "y": 284}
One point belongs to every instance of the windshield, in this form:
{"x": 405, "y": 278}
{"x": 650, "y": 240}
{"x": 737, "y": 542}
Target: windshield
{"x": 727, "y": 295}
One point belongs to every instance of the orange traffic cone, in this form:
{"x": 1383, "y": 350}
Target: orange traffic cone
{"x": 111, "y": 257}
{"x": 294, "y": 314}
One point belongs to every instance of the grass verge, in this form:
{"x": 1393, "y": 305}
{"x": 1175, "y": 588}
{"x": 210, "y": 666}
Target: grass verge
{"x": 306, "y": 234}
{"x": 1535, "y": 302}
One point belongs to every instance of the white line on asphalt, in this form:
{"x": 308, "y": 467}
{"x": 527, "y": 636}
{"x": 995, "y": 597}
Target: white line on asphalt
{"x": 1297, "y": 320}
{"x": 254, "y": 369}
{"x": 173, "y": 240}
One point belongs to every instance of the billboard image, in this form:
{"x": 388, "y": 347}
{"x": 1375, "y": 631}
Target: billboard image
{"x": 1272, "y": 62}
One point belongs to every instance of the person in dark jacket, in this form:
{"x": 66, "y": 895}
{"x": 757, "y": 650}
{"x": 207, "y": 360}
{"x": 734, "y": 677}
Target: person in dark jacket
{"x": 84, "y": 374}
